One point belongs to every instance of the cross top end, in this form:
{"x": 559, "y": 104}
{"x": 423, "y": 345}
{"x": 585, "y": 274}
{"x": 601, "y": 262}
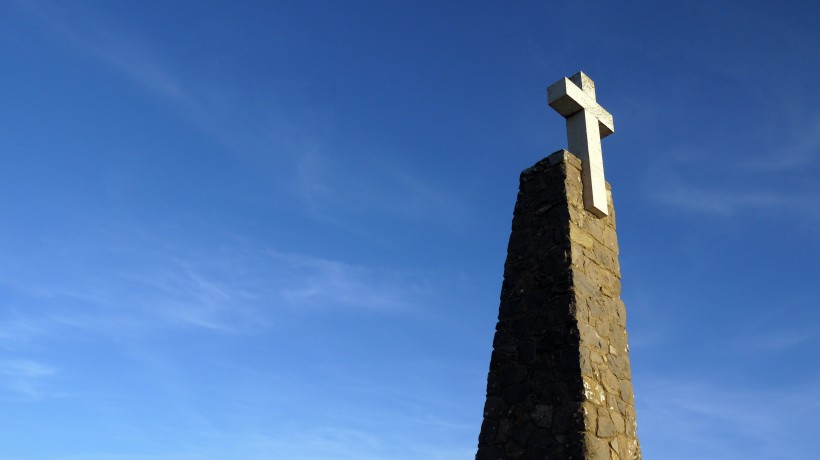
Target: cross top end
{"x": 587, "y": 123}
{"x": 569, "y": 96}
{"x": 586, "y": 84}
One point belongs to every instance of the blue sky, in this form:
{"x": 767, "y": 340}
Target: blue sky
{"x": 276, "y": 230}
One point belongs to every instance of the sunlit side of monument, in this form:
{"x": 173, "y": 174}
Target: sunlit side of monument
{"x": 559, "y": 385}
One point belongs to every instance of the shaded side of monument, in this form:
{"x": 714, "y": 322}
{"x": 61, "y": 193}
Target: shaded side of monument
{"x": 559, "y": 385}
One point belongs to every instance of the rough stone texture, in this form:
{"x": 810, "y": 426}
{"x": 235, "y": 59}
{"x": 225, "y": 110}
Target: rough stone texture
{"x": 559, "y": 385}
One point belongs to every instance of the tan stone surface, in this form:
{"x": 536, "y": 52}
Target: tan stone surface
{"x": 601, "y": 317}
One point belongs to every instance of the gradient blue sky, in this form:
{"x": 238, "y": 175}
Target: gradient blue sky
{"x": 276, "y": 230}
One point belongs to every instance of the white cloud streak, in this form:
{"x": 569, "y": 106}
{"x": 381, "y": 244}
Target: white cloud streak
{"x": 340, "y": 192}
{"x": 703, "y": 420}
{"x": 800, "y": 152}
{"x": 306, "y": 443}
{"x": 95, "y": 35}
{"x": 745, "y": 179}
{"x": 26, "y": 379}
{"x": 332, "y": 191}
{"x": 751, "y": 187}
{"x": 719, "y": 202}
{"x": 329, "y": 282}
{"x": 145, "y": 284}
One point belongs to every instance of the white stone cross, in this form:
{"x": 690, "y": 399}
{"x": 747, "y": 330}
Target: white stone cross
{"x": 587, "y": 124}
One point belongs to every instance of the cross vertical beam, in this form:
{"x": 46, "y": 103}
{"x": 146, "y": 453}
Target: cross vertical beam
{"x": 587, "y": 124}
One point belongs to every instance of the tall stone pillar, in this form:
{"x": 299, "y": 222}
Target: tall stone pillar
{"x": 559, "y": 385}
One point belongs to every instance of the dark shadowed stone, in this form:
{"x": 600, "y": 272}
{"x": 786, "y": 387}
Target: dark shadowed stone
{"x": 542, "y": 416}
{"x": 515, "y": 393}
{"x": 503, "y": 431}
{"x": 491, "y": 452}
{"x": 488, "y": 431}
{"x": 495, "y": 407}
{"x": 514, "y": 451}
{"x": 526, "y": 353}
{"x": 522, "y": 433}
{"x": 512, "y": 376}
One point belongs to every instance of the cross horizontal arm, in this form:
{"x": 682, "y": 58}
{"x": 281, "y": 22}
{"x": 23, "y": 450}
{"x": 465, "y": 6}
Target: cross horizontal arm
{"x": 568, "y": 99}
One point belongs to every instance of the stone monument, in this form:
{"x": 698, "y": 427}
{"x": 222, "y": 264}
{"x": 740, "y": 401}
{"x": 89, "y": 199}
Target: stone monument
{"x": 559, "y": 385}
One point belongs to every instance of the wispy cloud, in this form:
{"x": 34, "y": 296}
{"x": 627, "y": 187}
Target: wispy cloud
{"x": 341, "y": 192}
{"x": 93, "y": 34}
{"x": 336, "y": 442}
{"x": 16, "y": 329}
{"x": 728, "y": 177}
{"x": 706, "y": 420}
{"x": 283, "y": 144}
{"x": 238, "y": 127}
{"x": 719, "y": 201}
{"x": 774, "y": 330}
{"x": 127, "y": 282}
{"x": 800, "y": 150}
{"x": 759, "y": 184}
{"x": 320, "y": 442}
{"x": 323, "y": 282}
{"x": 26, "y": 378}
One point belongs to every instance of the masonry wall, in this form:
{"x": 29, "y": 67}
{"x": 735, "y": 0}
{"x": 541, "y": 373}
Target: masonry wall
{"x": 559, "y": 385}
